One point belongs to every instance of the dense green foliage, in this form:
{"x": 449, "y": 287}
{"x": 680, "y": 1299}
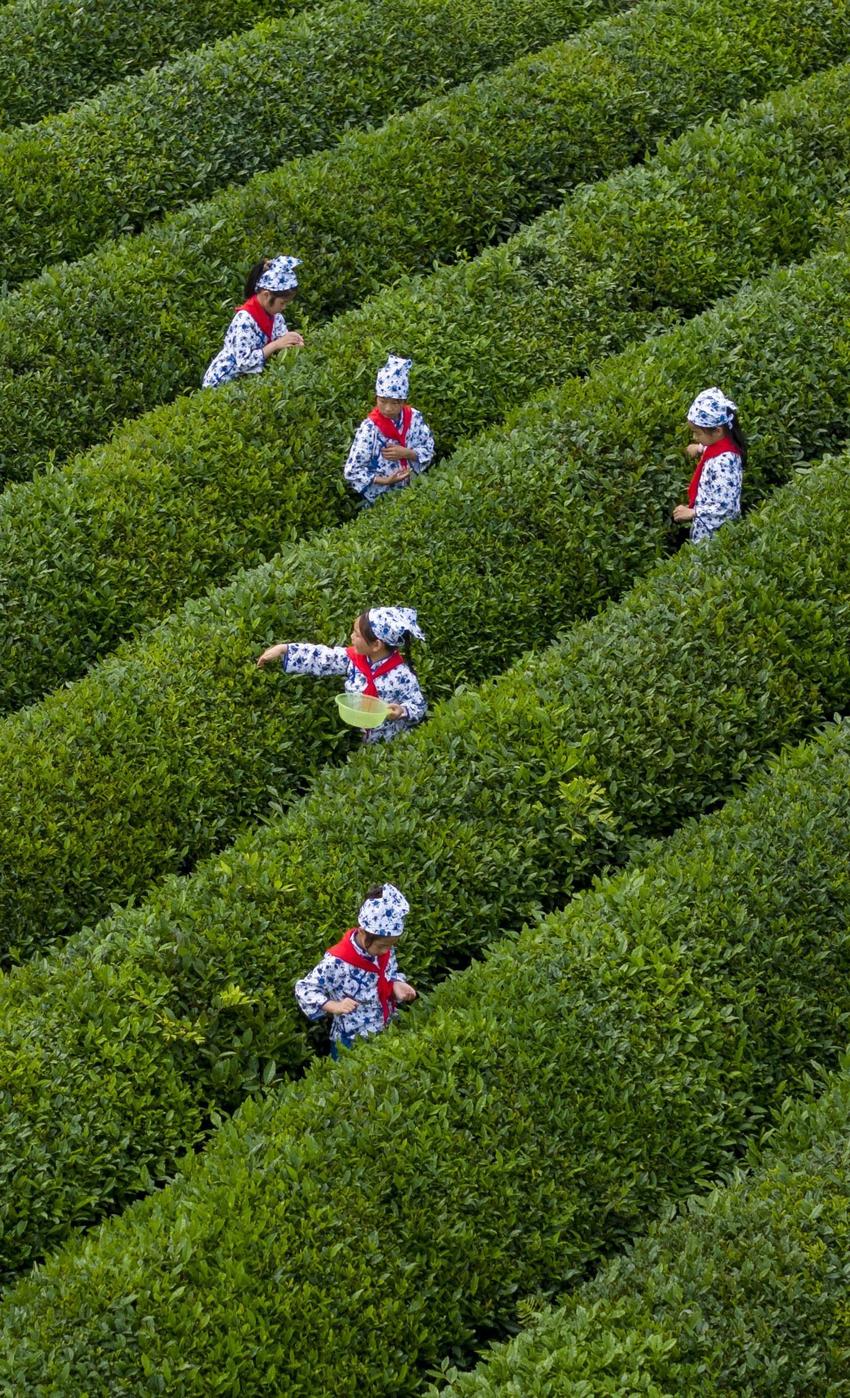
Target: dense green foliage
{"x": 158, "y": 756}
{"x": 746, "y": 1293}
{"x": 285, "y": 87}
{"x": 442, "y": 179}
{"x": 543, "y": 1106}
{"x": 53, "y": 53}
{"x": 502, "y": 804}
{"x": 192, "y": 491}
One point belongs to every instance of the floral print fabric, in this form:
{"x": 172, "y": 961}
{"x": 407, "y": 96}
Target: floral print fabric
{"x": 398, "y": 686}
{"x": 333, "y": 979}
{"x": 243, "y": 350}
{"x": 718, "y": 496}
{"x": 365, "y": 460}
{"x": 384, "y": 916}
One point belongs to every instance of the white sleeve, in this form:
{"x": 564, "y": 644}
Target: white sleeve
{"x": 301, "y": 658}
{"x": 322, "y": 984}
{"x": 393, "y": 973}
{"x": 719, "y": 492}
{"x": 360, "y": 466}
{"x": 421, "y": 439}
{"x": 413, "y": 699}
{"x": 248, "y": 341}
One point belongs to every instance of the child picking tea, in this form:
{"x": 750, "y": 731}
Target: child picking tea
{"x": 372, "y": 664}
{"x": 394, "y": 442}
{"x": 720, "y": 450}
{"x": 258, "y": 329}
{"x": 357, "y": 984}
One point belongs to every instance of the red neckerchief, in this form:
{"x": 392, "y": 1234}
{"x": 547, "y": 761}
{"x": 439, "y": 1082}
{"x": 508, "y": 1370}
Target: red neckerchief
{"x": 716, "y": 449}
{"x": 361, "y": 663}
{"x": 387, "y": 427}
{"x": 347, "y": 952}
{"x": 259, "y": 315}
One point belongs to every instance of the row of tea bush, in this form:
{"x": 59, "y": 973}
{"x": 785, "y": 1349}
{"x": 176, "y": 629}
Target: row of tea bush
{"x": 746, "y": 1292}
{"x": 285, "y": 87}
{"x": 161, "y": 753}
{"x": 440, "y": 180}
{"x": 192, "y": 491}
{"x": 53, "y": 54}
{"x": 508, "y": 799}
{"x": 343, "y": 1235}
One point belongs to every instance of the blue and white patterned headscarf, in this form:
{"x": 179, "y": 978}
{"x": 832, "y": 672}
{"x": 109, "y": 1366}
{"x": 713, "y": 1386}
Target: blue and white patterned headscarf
{"x": 392, "y": 624}
{"x": 384, "y": 916}
{"x": 393, "y": 380}
{"x": 280, "y": 275}
{"x": 711, "y": 408}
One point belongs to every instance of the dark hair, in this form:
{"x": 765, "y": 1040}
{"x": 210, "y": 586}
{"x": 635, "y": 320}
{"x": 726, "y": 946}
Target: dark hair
{"x": 366, "y": 628}
{"x": 369, "y": 636}
{"x": 734, "y": 431}
{"x": 254, "y": 276}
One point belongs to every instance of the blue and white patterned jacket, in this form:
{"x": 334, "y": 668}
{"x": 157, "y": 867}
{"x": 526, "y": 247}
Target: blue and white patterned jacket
{"x": 244, "y": 343}
{"x": 398, "y": 686}
{"x": 365, "y": 460}
{"x": 718, "y": 495}
{"x": 333, "y": 979}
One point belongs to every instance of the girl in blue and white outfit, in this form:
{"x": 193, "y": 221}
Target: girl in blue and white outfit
{"x": 394, "y": 442}
{"x": 720, "y": 449}
{"x": 372, "y": 664}
{"x": 357, "y": 982}
{"x": 258, "y": 329}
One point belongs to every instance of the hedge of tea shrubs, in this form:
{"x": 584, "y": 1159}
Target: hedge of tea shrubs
{"x": 177, "y": 133}
{"x": 159, "y": 755}
{"x": 53, "y": 54}
{"x": 745, "y": 1293}
{"x": 156, "y": 758}
{"x": 364, "y": 213}
{"x": 504, "y": 803}
{"x": 345, "y": 1234}
{"x": 191, "y": 491}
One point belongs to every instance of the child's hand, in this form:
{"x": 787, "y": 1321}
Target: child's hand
{"x": 395, "y": 711}
{"x": 273, "y": 653}
{"x": 290, "y": 339}
{"x": 402, "y": 991}
{"x": 683, "y": 514}
{"x": 340, "y": 1007}
{"x": 694, "y": 449}
{"x": 395, "y": 452}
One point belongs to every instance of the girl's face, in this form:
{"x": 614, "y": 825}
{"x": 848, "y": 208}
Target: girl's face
{"x": 275, "y": 301}
{"x": 390, "y": 407}
{"x": 361, "y": 645}
{"x": 706, "y": 435}
{"x": 376, "y": 946}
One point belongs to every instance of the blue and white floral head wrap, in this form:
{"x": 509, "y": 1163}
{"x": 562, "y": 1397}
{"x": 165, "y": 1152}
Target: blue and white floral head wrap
{"x": 711, "y": 408}
{"x": 393, "y": 380}
{"x": 392, "y": 624}
{"x": 280, "y": 275}
{"x": 384, "y": 916}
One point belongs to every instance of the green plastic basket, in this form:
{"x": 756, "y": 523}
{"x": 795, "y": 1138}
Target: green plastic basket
{"x": 362, "y": 710}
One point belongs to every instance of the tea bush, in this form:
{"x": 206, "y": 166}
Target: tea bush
{"x": 339, "y": 1237}
{"x": 509, "y": 799}
{"x": 285, "y": 87}
{"x": 745, "y": 1293}
{"x": 159, "y": 756}
{"x": 189, "y": 492}
{"x": 52, "y": 54}
{"x": 575, "y": 111}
